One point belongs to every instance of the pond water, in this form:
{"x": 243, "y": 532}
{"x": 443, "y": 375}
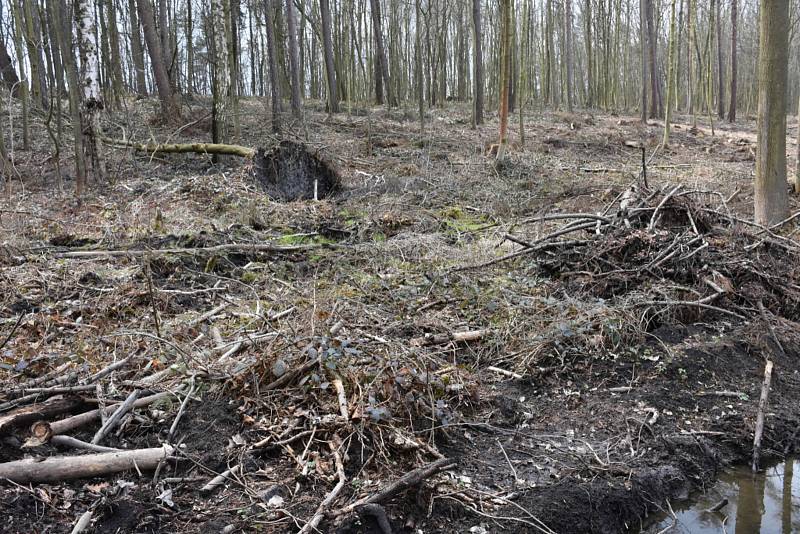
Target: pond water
{"x": 767, "y": 502}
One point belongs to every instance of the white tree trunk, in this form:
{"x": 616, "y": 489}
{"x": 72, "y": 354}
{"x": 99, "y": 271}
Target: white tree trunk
{"x": 90, "y": 81}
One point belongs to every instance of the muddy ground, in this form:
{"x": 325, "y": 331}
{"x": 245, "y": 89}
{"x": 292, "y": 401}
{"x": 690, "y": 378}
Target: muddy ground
{"x": 573, "y": 410}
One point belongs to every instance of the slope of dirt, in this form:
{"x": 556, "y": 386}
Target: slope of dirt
{"x": 570, "y": 407}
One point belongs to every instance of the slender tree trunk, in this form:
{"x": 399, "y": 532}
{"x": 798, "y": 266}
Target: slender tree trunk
{"x": 644, "y": 49}
{"x": 773, "y": 65}
{"x": 169, "y": 107}
{"x": 670, "y": 74}
{"x": 294, "y": 59}
{"x": 137, "y": 49}
{"x": 163, "y": 35}
{"x": 190, "y": 49}
{"x": 382, "y": 70}
{"x": 221, "y": 81}
{"x": 418, "y": 76}
{"x": 114, "y": 44}
{"x": 734, "y": 59}
{"x": 505, "y": 75}
{"x": 568, "y": 50}
{"x": 25, "y": 84}
{"x": 64, "y": 36}
{"x": 33, "y": 40}
{"x": 587, "y": 16}
{"x": 327, "y": 44}
{"x": 477, "y": 62}
{"x": 92, "y": 102}
{"x": 274, "y": 79}
{"x": 655, "y": 91}
{"x": 720, "y": 66}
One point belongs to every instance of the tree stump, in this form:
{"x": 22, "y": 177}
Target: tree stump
{"x": 291, "y": 172}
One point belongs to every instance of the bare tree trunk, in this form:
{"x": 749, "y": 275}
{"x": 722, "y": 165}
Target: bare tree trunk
{"x": 294, "y": 59}
{"x": 477, "y": 61}
{"x": 92, "y": 102}
{"x": 720, "y": 66}
{"x": 734, "y": 66}
{"x": 419, "y": 77}
{"x": 137, "y": 50}
{"x": 163, "y": 35}
{"x": 116, "y": 61}
{"x": 25, "y": 84}
{"x": 33, "y": 40}
{"x": 655, "y": 91}
{"x": 327, "y": 44}
{"x": 568, "y": 50}
{"x": 58, "y": 7}
{"x": 274, "y": 79}
{"x": 190, "y": 49}
{"x": 505, "y": 75}
{"x": 671, "y": 85}
{"x": 643, "y": 46}
{"x": 221, "y": 74}
{"x": 587, "y": 16}
{"x": 773, "y": 65}
{"x": 169, "y": 107}
{"x": 380, "y": 56}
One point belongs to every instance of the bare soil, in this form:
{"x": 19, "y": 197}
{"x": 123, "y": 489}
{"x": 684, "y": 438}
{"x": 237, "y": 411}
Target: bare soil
{"x": 606, "y": 411}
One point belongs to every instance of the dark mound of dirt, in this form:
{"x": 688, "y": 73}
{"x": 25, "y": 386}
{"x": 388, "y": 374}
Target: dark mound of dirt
{"x": 291, "y": 172}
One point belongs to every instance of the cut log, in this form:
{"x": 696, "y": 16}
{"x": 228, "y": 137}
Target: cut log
{"x": 183, "y": 148}
{"x": 60, "y": 468}
{"x": 23, "y": 416}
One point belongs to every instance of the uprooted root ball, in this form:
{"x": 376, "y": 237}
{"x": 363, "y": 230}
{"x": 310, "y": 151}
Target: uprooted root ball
{"x": 290, "y": 171}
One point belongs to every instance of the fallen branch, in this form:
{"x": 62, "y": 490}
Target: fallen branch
{"x": 410, "y": 479}
{"x": 28, "y": 414}
{"x": 76, "y": 421}
{"x": 183, "y": 148}
{"x": 74, "y": 443}
{"x": 220, "y": 479}
{"x": 115, "y": 418}
{"x": 762, "y": 408}
{"x": 438, "y": 339}
{"x": 227, "y": 247}
{"x": 323, "y": 506}
{"x": 61, "y": 468}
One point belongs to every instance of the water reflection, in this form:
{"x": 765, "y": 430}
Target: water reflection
{"x": 767, "y": 502}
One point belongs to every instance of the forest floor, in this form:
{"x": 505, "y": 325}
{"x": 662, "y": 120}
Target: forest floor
{"x": 606, "y": 371}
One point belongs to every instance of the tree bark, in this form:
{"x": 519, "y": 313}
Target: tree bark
{"x": 169, "y": 106}
{"x": 327, "y": 45}
{"x": 294, "y": 60}
{"x": 773, "y": 65}
{"x": 505, "y": 75}
{"x": 137, "y": 49}
{"x": 568, "y": 51}
{"x": 477, "y": 61}
{"x": 190, "y": 49}
{"x": 25, "y": 92}
{"x": 92, "y": 102}
{"x": 274, "y": 78}
{"x": 670, "y": 74}
{"x": 734, "y": 66}
{"x": 720, "y": 66}
{"x": 116, "y": 61}
{"x": 643, "y": 47}
{"x": 382, "y": 70}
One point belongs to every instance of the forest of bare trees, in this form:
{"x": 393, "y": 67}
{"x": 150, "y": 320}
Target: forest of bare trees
{"x": 399, "y": 265}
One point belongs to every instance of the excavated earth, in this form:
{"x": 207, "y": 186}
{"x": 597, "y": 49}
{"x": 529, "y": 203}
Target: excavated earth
{"x": 597, "y": 417}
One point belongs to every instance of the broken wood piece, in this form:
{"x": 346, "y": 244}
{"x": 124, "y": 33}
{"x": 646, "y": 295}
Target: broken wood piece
{"x": 498, "y": 370}
{"x": 226, "y": 247}
{"x": 207, "y": 315}
{"x": 82, "y": 523}
{"x": 115, "y": 418}
{"x": 410, "y": 479}
{"x": 220, "y": 479}
{"x": 620, "y": 389}
{"x": 46, "y": 410}
{"x": 242, "y": 343}
{"x": 342, "y": 397}
{"x": 312, "y": 525}
{"x": 762, "y": 408}
{"x": 74, "y": 443}
{"x": 439, "y": 339}
{"x": 76, "y": 421}
{"x": 61, "y": 468}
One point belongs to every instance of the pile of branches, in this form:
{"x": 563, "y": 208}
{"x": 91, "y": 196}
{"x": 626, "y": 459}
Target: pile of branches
{"x": 676, "y": 253}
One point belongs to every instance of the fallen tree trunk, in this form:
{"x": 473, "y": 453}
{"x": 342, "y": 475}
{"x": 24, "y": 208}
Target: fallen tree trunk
{"x": 183, "y": 148}
{"x": 60, "y": 468}
{"x": 28, "y": 414}
{"x": 227, "y": 247}
{"x": 76, "y": 421}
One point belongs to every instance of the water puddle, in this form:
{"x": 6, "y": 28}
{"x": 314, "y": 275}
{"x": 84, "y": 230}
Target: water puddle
{"x": 761, "y": 502}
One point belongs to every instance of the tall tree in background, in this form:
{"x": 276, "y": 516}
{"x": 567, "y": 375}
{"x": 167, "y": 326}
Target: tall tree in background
{"x": 505, "y": 74}
{"x": 220, "y": 121}
{"x": 568, "y": 50}
{"x": 477, "y": 77}
{"x": 327, "y": 45}
{"x": 137, "y": 50}
{"x": 670, "y": 74}
{"x": 169, "y": 106}
{"x": 773, "y": 67}
{"x": 643, "y": 57}
{"x": 24, "y": 92}
{"x": 294, "y": 60}
{"x": 656, "y": 105}
{"x": 734, "y": 54}
{"x": 720, "y": 65}
{"x": 381, "y": 64}
{"x": 10, "y": 78}
{"x": 92, "y": 102}
{"x": 274, "y": 77}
